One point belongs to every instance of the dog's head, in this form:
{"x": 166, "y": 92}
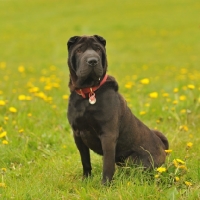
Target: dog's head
{"x": 86, "y": 60}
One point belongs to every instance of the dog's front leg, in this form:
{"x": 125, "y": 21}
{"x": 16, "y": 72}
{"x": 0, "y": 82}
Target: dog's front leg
{"x": 108, "y": 146}
{"x": 85, "y": 156}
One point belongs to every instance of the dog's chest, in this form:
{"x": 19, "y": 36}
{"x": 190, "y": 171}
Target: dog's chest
{"x": 84, "y": 116}
{"x": 85, "y": 121}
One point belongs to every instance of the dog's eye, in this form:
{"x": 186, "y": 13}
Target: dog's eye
{"x": 78, "y": 50}
{"x": 98, "y": 49}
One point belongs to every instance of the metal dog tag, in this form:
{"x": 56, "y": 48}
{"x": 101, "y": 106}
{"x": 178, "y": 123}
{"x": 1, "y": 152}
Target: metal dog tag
{"x": 92, "y": 98}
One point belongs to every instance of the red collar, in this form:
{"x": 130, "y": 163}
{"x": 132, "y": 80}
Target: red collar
{"x": 90, "y": 90}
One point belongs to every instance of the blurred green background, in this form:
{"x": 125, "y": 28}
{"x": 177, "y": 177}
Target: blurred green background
{"x": 157, "y": 33}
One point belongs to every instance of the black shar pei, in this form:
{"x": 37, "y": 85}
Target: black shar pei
{"x": 99, "y": 115}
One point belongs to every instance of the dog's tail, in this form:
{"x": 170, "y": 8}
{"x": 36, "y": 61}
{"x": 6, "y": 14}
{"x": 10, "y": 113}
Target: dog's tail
{"x": 163, "y": 139}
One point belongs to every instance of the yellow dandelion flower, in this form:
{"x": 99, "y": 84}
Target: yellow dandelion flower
{"x": 21, "y": 69}
{"x": 6, "y": 118}
{"x": 184, "y": 71}
{"x": 161, "y": 169}
{"x": 191, "y": 87}
{"x": 188, "y": 183}
{"x": 147, "y": 104}
{"x": 129, "y": 85}
{"x": 175, "y": 90}
{"x": 145, "y": 81}
{"x": 21, "y": 130}
{"x": 153, "y": 95}
{"x": 177, "y": 178}
{"x": 180, "y": 161}
{"x": 156, "y": 176}
{"x": 54, "y": 106}
{"x": 29, "y": 115}
{"x": 28, "y": 98}
{"x": 3, "y": 169}
{"x": 21, "y": 97}
{"x": 165, "y": 94}
{"x": 142, "y": 112}
{"x": 48, "y": 87}
{"x": 182, "y": 98}
{"x": 183, "y": 128}
{"x": 30, "y": 84}
{"x": 182, "y": 167}
{"x": 53, "y": 68}
{"x": 65, "y": 96}
{"x": 48, "y": 99}
{"x": 2, "y": 185}
{"x": 2, "y": 103}
{"x": 158, "y": 121}
{"x": 41, "y": 95}
{"x": 3, "y": 65}
{"x": 175, "y": 102}
{"x": 183, "y": 111}
{"x": 3, "y": 134}
{"x": 189, "y": 144}
{"x": 184, "y": 88}
{"x": 55, "y": 85}
{"x": 175, "y": 163}
{"x": 34, "y": 90}
{"x": 12, "y": 110}
{"x": 168, "y": 151}
{"x": 1, "y": 92}
{"x": 5, "y": 142}
{"x": 42, "y": 79}
{"x": 128, "y": 184}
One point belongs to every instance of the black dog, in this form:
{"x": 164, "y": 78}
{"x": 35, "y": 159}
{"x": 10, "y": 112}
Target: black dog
{"x": 99, "y": 116}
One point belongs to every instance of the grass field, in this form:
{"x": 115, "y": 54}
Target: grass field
{"x": 153, "y": 51}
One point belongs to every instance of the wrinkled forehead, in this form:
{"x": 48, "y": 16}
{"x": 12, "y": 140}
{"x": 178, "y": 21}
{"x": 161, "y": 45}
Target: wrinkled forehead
{"x": 87, "y": 41}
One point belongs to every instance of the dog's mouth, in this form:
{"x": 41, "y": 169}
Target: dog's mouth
{"x": 90, "y": 81}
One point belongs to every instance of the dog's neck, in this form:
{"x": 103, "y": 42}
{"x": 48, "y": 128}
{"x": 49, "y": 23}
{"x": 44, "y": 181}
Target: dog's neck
{"x": 88, "y": 90}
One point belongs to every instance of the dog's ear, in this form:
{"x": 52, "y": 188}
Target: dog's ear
{"x": 71, "y": 41}
{"x": 100, "y": 39}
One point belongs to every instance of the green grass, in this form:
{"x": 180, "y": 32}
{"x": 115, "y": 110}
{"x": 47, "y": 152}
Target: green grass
{"x": 157, "y": 40}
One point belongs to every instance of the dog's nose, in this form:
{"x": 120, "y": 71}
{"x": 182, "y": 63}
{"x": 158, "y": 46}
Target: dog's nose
{"x": 92, "y": 61}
